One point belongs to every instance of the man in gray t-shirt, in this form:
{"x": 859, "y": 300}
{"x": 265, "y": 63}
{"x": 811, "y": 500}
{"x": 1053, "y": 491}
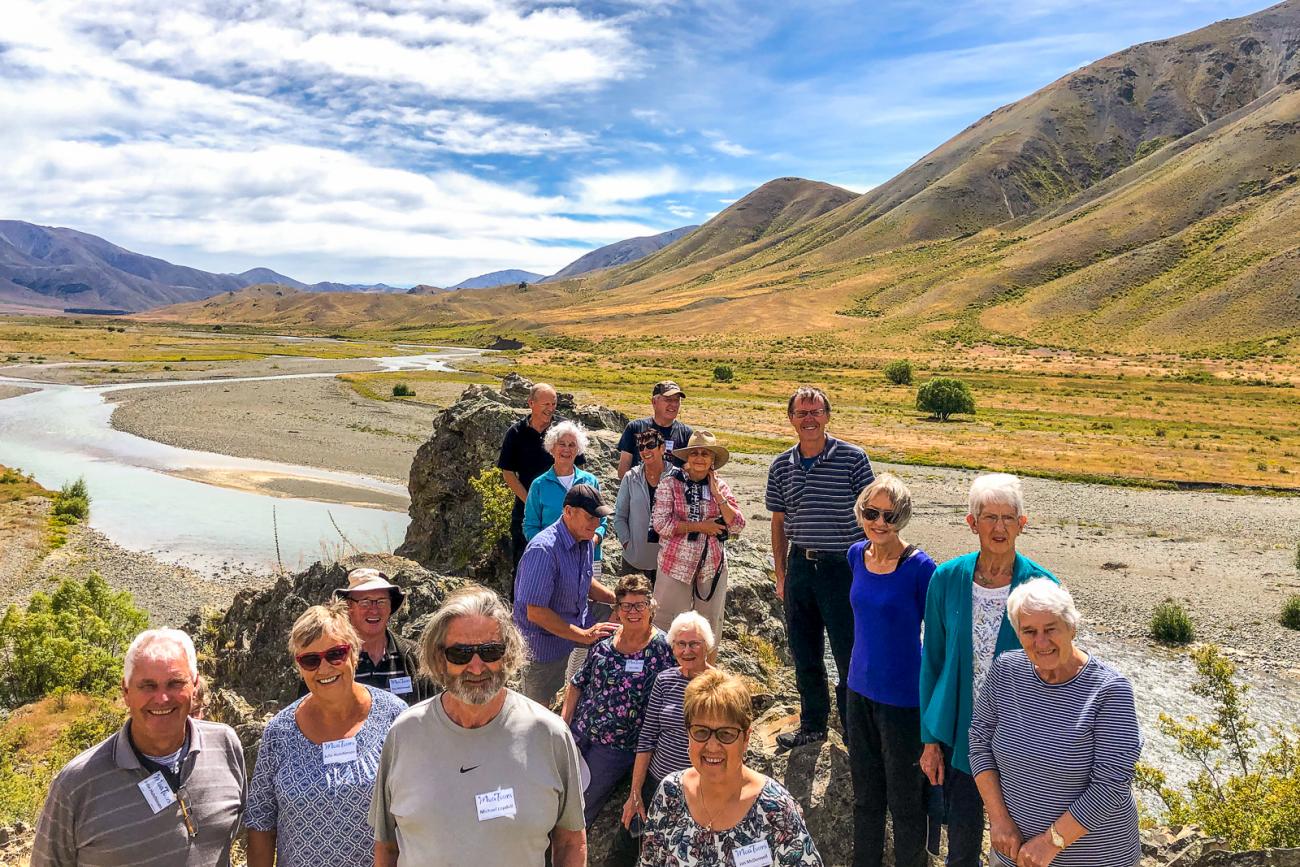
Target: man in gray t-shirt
{"x": 480, "y": 774}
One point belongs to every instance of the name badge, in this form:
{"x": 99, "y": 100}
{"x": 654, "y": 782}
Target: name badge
{"x": 495, "y": 805}
{"x": 634, "y": 666}
{"x": 754, "y": 855}
{"x": 400, "y": 685}
{"x": 338, "y": 752}
{"x": 156, "y": 792}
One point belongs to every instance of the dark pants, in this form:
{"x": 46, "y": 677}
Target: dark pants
{"x": 817, "y": 604}
{"x": 965, "y": 812}
{"x": 627, "y": 849}
{"x": 608, "y": 766}
{"x": 884, "y": 744}
{"x": 517, "y": 544}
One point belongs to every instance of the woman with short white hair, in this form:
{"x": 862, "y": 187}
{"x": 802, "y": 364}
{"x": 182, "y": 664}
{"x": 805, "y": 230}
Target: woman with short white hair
{"x": 965, "y": 628}
{"x": 1054, "y": 742}
{"x": 565, "y": 442}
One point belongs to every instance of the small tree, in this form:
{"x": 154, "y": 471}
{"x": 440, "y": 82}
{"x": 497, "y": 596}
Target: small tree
{"x": 723, "y": 373}
{"x": 943, "y": 396}
{"x": 403, "y": 390}
{"x": 494, "y": 513}
{"x": 1171, "y": 624}
{"x": 899, "y": 372}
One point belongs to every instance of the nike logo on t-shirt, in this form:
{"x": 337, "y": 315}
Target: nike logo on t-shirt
{"x": 465, "y": 770}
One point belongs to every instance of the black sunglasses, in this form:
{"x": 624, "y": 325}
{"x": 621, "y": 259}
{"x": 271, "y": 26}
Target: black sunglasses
{"x": 724, "y": 734}
{"x": 461, "y": 654}
{"x": 872, "y": 514}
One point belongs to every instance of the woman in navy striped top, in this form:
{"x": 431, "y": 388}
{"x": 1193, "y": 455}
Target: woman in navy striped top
{"x": 1053, "y": 744}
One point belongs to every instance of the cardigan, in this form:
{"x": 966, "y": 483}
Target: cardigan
{"x": 545, "y": 503}
{"x": 632, "y": 512}
{"x": 947, "y": 664}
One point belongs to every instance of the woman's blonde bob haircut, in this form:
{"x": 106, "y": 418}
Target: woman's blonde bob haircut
{"x": 328, "y": 619}
{"x": 900, "y": 499}
{"x": 718, "y": 695}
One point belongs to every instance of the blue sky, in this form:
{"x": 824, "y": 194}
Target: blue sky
{"x": 406, "y": 141}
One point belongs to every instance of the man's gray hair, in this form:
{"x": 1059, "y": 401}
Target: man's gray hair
{"x": 472, "y": 601}
{"x": 160, "y": 644}
{"x": 808, "y": 393}
{"x": 1042, "y": 594}
{"x": 692, "y": 620}
{"x": 538, "y": 387}
{"x": 992, "y": 488}
{"x": 900, "y": 499}
{"x": 566, "y": 427}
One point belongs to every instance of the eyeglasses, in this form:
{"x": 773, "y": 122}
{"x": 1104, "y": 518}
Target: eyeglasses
{"x": 724, "y": 734}
{"x": 629, "y": 607}
{"x": 874, "y": 514}
{"x": 688, "y": 645}
{"x": 461, "y": 654}
{"x": 333, "y": 655}
{"x": 1006, "y": 520}
{"x": 806, "y": 413}
{"x": 382, "y": 602}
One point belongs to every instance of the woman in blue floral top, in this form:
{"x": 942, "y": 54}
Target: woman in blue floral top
{"x": 605, "y": 702}
{"x": 719, "y": 813}
{"x": 310, "y": 794}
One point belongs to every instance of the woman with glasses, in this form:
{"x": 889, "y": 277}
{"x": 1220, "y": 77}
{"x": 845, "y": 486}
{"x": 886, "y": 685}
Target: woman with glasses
{"x": 719, "y": 813}
{"x": 694, "y": 513}
{"x": 636, "y": 500}
{"x": 966, "y": 626}
{"x": 606, "y": 699}
{"x": 311, "y": 788}
{"x": 890, "y": 579}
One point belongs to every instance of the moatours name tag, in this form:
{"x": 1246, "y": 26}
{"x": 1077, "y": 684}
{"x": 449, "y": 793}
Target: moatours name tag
{"x": 156, "y": 792}
{"x": 338, "y": 752}
{"x": 399, "y": 685}
{"x": 495, "y": 805}
{"x": 634, "y": 666}
{"x": 754, "y": 855}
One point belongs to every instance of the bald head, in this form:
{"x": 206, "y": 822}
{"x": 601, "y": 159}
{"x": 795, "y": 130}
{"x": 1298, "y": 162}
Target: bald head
{"x": 541, "y": 404}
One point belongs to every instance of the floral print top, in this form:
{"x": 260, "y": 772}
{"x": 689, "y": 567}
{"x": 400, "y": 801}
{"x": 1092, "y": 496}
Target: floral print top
{"x": 615, "y": 688}
{"x": 673, "y": 839}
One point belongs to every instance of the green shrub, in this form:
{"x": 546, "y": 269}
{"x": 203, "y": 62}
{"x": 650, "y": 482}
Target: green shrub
{"x": 496, "y": 501}
{"x": 1247, "y": 797}
{"x": 1171, "y": 624}
{"x": 899, "y": 372}
{"x": 73, "y": 639}
{"x": 944, "y": 396}
{"x": 1291, "y": 612}
{"x": 723, "y": 373}
{"x": 403, "y": 390}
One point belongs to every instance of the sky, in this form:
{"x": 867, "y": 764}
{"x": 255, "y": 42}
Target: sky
{"x": 427, "y": 141}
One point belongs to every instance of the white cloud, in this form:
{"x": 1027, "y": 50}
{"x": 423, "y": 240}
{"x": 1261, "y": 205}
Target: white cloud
{"x": 681, "y": 211}
{"x": 615, "y": 188}
{"x": 720, "y": 144}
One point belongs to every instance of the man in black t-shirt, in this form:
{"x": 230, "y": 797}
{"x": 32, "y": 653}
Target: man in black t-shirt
{"x": 666, "y": 401}
{"x": 523, "y": 459}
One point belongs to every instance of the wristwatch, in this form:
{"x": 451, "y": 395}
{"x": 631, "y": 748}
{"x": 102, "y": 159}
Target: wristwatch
{"x": 1057, "y": 840}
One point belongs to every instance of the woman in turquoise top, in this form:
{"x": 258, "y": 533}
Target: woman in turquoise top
{"x": 545, "y": 504}
{"x": 966, "y": 626}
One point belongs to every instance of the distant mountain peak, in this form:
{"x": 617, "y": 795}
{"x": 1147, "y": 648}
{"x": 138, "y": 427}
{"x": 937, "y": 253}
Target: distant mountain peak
{"x": 620, "y": 253}
{"x": 498, "y": 278}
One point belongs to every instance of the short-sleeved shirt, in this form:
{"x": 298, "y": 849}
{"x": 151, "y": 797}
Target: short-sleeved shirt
{"x": 676, "y": 436}
{"x": 615, "y": 688}
{"x": 522, "y": 454}
{"x": 432, "y": 771}
{"x": 555, "y": 572}
{"x": 887, "y": 613}
{"x": 318, "y": 811}
{"x": 673, "y": 839}
{"x": 663, "y": 730}
{"x": 818, "y": 501}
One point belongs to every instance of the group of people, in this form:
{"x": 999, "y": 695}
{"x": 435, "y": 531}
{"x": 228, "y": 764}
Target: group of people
{"x": 959, "y": 684}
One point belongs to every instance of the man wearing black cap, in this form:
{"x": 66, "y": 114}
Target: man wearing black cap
{"x": 666, "y": 402}
{"x": 552, "y": 591}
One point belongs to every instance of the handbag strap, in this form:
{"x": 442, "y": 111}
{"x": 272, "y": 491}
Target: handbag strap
{"x": 717, "y": 576}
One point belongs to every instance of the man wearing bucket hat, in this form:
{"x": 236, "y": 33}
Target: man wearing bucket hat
{"x": 665, "y": 401}
{"x": 551, "y": 594}
{"x": 694, "y": 513}
{"x": 386, "y": 660}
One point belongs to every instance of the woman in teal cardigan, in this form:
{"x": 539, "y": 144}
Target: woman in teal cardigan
{"x": 545, "y": 504}
{"x": 965, "y": 628}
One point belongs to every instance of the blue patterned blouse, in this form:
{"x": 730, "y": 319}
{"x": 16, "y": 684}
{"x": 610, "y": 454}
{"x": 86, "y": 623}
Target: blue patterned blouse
{"x": 318, "y": 811}
{"x": 615, "y": 689}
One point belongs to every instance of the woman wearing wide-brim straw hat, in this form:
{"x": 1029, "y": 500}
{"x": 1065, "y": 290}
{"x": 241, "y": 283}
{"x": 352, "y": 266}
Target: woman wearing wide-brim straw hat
{"x": 694, "y": 514}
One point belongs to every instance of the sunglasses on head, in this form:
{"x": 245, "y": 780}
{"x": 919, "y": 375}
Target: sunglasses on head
{"x": 333, "y": 655}
{"x": 724, "y": 734}
{"x": 872, "y": 514}
{"x": 461, "y": 654}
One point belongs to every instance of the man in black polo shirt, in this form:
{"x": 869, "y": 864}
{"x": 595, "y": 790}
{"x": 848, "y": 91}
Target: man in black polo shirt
{"x": 811, "y": 491}
{"x": 523, "y": 459}
{"x": 666, "y": 402}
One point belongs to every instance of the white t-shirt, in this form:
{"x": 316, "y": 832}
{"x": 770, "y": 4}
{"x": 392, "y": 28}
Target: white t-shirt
{"x": 567, "y": 481}
{"x": 988, "y": 606}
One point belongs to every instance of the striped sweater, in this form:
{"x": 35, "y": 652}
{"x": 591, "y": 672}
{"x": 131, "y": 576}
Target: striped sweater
{"x": 1057, "y": 747}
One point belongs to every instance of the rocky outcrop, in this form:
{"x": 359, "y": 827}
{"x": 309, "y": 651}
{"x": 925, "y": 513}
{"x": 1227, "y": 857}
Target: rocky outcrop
{"x": 1188, "y": 846}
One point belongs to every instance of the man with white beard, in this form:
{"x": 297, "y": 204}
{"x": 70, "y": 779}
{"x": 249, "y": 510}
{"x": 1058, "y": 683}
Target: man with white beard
{"x": 480, "y": 773}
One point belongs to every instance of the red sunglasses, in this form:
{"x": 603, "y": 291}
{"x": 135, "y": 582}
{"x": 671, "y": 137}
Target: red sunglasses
{"x": 333, "y": 655}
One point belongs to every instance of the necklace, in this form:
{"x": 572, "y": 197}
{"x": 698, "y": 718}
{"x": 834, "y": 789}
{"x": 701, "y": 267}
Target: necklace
{"x": 708, "y": 825}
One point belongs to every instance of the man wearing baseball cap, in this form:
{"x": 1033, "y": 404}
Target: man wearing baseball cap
{"x": 666, "y": 402}
{"x": 386, "y": 661}
{"x": 553, "y": 589}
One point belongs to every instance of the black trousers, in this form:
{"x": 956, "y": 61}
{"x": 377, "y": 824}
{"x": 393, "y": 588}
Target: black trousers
{"x": 884, "y": 744}
{"x": 627, "y": 849}
{"x": 817, "y": 605}
{"x": 965, "y": 815}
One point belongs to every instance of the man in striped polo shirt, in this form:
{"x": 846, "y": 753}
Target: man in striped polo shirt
{"x": 811, "y": 490}
{"x": 164, "y": 789}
